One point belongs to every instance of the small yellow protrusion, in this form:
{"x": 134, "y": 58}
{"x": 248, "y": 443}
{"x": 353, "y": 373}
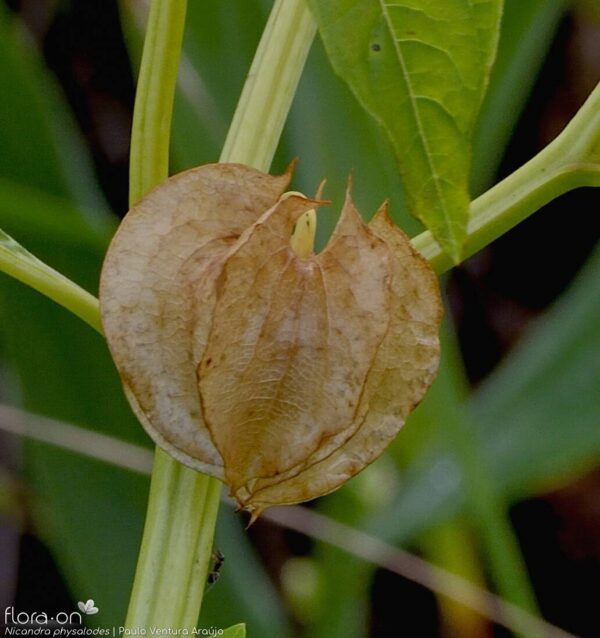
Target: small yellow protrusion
{"x": 302, "y": 240}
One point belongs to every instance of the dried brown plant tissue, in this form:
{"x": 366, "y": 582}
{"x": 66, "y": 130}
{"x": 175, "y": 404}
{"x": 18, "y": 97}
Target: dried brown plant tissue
{"x": 282, "y": 375}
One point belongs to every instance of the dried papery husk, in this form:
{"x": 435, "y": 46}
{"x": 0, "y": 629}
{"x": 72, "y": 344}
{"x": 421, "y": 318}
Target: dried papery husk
{"x": 279, "y": 371}
{"x": 156, "y": 263}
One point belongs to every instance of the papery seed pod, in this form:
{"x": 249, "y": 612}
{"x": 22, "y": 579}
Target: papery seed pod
{"x": 282, "y": 374}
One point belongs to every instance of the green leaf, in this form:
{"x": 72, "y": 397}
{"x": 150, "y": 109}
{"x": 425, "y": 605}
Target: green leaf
{"x": 236, "y": 631}
{"x": 540, "y": 410}
{"x": 421, "y": 69}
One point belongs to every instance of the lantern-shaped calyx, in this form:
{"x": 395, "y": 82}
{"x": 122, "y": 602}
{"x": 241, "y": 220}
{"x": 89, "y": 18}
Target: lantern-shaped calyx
{"x": 248, "y": 357}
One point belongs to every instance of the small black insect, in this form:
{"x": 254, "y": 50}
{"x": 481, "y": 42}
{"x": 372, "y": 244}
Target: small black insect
{"x": 216, "y": 563}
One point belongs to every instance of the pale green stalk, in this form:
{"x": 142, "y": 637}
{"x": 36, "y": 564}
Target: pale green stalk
{"x": 183, "y": 504}
{"x": 178, "y": 534}
{"x": 570, "y": 161}
{"x": 270, "y": 85}
{"x": 22, "y": 265}
{"x": 151, "y": 132}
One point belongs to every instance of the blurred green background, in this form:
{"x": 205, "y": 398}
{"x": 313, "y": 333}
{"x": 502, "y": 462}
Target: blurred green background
{"x": 495, "y": 476}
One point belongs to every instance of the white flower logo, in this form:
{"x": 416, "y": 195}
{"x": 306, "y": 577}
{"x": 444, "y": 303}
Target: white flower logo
{"x": 88, "y": 607}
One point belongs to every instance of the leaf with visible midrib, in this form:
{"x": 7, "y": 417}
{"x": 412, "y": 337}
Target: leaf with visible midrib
{"x": 420, "y": 67}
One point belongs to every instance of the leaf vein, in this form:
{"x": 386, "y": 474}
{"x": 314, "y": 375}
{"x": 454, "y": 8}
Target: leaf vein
{"x": 416, "y": 112}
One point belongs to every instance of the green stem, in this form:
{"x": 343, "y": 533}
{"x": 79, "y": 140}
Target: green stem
{"x": 151, "y": 132}
{"x": 270, "y": 85}
{"x": 183, "y": 504}
{"x": 22, "y": 265}
{"x": 176, "y": 547}
{"x": 570, "y": 161}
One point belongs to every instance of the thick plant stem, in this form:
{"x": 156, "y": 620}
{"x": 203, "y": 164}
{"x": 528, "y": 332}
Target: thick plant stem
{"x": 176, "y": 547}
{"x": 570, "y": 161}
{"x": 151, "y": 132}
{"x": 183, "y": 504}
{"x": 22, "y": 265}
{"x": 270, "y": 85}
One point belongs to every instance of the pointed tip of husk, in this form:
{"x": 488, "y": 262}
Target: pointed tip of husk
{"x": 319, "y": 193}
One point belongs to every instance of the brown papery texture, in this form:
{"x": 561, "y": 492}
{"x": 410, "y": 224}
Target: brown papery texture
{"x": 281, "y": 375}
